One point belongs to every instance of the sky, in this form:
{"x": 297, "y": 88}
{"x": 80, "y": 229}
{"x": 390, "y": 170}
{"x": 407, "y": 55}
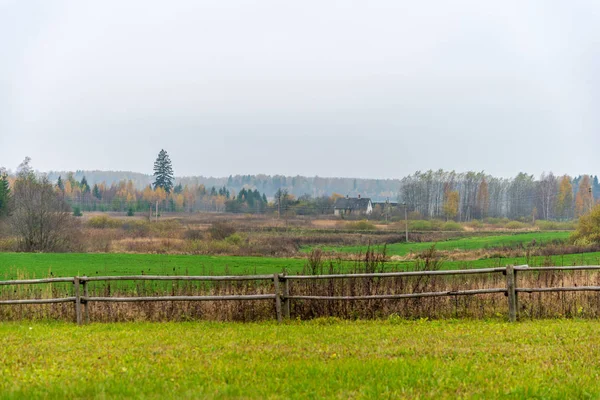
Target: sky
{"x": 373, "y": 89}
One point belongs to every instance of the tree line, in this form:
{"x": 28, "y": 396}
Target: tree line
{"x": 476, "y": 195}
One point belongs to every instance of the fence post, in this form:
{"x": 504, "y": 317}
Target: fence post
{"x": 86, "y": 310}
{"x": 286, "y": 294}
{"x": 277, "y": 297}
{"x": 511, "y": 293}
{"x": 77, "y": 300}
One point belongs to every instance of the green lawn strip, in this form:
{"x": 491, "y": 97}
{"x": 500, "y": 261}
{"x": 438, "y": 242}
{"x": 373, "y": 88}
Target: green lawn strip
{"x": 465, "y": 244}
{"x": 38, "y": 265}
{"x": 314, "y": 359}
{"x": 91, "y": 264}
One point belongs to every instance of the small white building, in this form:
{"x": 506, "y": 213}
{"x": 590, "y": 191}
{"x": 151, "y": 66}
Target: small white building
{"x": 353, "y": 206}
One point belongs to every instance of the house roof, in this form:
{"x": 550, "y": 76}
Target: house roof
{"x": 352, "y": 203}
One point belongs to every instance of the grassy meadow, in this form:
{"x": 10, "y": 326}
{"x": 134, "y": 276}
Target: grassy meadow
{"x": 463, "y": 244}
{"x": 37, "y": 265}
{"x": 323, "y": 358}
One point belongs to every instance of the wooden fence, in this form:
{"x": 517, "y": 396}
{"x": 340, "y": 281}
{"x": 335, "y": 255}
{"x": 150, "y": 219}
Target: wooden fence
{"x": 281, "y": 288}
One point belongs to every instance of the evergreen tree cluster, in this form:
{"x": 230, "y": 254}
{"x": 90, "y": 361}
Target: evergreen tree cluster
{"x": 247, "y": 201}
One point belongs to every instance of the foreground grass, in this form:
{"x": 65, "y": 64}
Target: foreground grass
{"x": 316, "y": 359}
{"x": 463, "y": 244}
{"x": 38, "y": 265}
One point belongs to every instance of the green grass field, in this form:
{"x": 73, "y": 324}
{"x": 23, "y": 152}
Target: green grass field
{"x": 316, "y": 359}
{"x": 71, "y": 264}
{"x": 469, "y": 243}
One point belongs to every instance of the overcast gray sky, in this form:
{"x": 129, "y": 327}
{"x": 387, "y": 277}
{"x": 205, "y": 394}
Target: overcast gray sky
{"x": 346, "y": 88}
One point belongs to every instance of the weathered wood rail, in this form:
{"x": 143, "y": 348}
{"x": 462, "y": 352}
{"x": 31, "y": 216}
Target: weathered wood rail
{"x": 282, "y": 283}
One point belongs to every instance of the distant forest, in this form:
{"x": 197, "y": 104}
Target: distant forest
{"x": 377, "y": 189}
{"x": 432, "y": 194}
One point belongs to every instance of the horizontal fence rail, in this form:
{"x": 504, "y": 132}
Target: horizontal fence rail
{"x": 280, "y": 294}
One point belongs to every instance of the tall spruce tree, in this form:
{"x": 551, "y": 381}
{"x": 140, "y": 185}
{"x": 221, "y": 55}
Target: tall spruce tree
{"x": 163, "y": 172}
{"x": 60, "y": 184}
{"x": 96, "y": 192}
{"x": 4, "y": 195}
{"x": 85, "y": 187}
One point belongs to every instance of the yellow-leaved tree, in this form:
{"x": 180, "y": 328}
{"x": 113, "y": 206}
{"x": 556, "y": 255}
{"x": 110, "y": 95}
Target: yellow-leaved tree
{"x": 451, "y": 202}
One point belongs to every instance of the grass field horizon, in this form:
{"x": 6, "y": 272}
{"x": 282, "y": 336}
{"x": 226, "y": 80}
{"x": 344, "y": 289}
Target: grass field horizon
{"x": 323, "y": 358}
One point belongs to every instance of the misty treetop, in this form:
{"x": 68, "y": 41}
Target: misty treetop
{"x": 163, "y": 172}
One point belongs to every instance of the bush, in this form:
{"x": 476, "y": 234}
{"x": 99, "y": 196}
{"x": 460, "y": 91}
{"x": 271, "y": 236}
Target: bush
{"x": 361, "y": 226}
{"x": 452, "y": 226}
{"x": 221, "y": 230}
{"x": 130, "y": 212}
{"x": 475, "y": 224}
{"x": 193, "y": 234}
{"x": 515, "y": 225}
{"x": 420, "y": 225}
{"x": 588, "y": 228}
{"x": 555, "y": 225}
{"x": 77, "y": 212}
{"x": 495, "y": 221}
{"x": 235, "y": 239}
{"x": 103, "y": 222}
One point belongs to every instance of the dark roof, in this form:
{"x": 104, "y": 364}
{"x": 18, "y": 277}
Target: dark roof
{"x": 352, "y": 203}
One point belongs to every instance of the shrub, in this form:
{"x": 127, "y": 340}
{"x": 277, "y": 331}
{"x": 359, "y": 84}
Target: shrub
{"x": 193, "y": 234}
{"x": 77, "y": 212}
{"x": 235, "y": 239}
{"x": 137, "y": 229}
{"x": 420, "y": 225}
{"x": 588, "y": 228}
{"x": 452, "y": 226}
{"x": 554, "y": 225}
{"x": 103, "y": 222}
{"x": 361, "y": 226}
{"x": 130, "y": 212}
{"x": 475, "y": 224}
{"x": 494, "y": 221}
{"x": 437, "y": 224}
{"x": 220, "y": 230}
{"x": 515, "y": 225}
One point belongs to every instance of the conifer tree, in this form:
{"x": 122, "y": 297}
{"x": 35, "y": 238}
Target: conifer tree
{"x": 60, "y": 184}
{"x": 163, "y": 172}
{"x": 85, "y": 188}
{"x": 4, "y": 195}
{"x": 96, "y": 192}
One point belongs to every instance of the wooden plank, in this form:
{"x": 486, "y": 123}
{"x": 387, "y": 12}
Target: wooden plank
{"x": 560, "y": 289}
{"x": 402, "y": 295}
{"x": 182, "y": 298}
{"x": 399, "y": 274}
{"x": 571, "y": 268}
{"x": 38, "y": 301}
{"x": 35, "y": 281}
{"x": 180, "y": 278}
{"x": 286, "y": 298}
{"x": 86, "y": 305}
{"x": 277, "y": 297}
{"x": 77, "y": 301}
{"x": 512, "y": 294}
